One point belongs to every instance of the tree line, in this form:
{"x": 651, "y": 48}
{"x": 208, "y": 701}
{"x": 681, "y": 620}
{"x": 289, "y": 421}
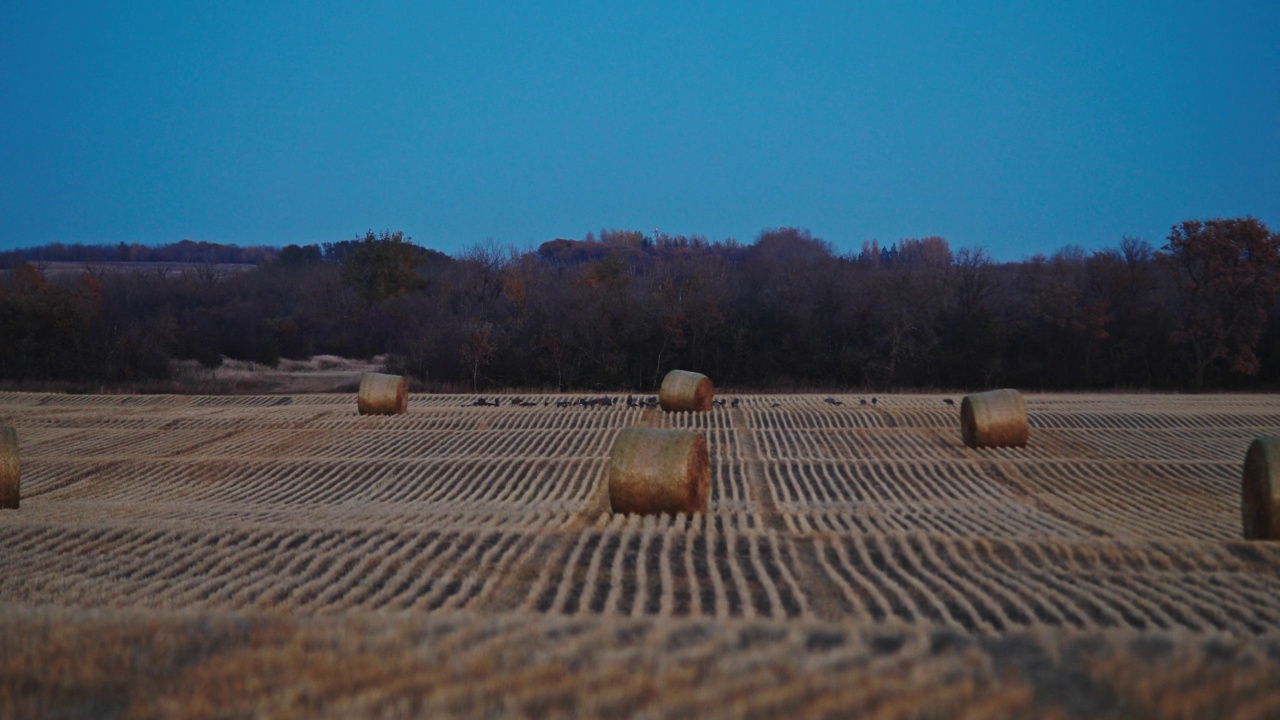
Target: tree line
{"x": 618, "y": 310}
{"x": 183, "y": 251}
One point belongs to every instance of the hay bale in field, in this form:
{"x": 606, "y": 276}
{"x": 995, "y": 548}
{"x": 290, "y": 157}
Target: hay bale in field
{"x": 655, "y": 471}
{"x": 1260, "y": 490}
{"x": 994, "y": 419}
{"x": 10, "y": 469}
{"x": 684, "y": 391}
{"x": 383, "y": 394}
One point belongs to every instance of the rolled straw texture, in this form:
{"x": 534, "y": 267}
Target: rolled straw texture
{"x": 684, "y": 391}
{"x": 10, "y": 469}
{"x": 655, "y": 471}
{"x": 1260, "y": 490}
{"x": 994, "y": 419}
{"x": 383, "y": 394}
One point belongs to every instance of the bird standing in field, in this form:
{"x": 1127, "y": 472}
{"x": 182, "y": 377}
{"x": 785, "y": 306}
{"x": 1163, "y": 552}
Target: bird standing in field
{"x": 873, "y": 401}
{"x": 948, "y": 401}
{"x": 734, "y": 404}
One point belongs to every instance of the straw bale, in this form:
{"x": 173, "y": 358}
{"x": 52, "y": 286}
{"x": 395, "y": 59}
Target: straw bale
{"x": 684, "y": 391}
{"x": 994, "y": 419}
{"x": 383, "y": 394}
{"x": 655, "y": 471}
{"x": 1260, "y": 490}
{"x": 10, "y": 469}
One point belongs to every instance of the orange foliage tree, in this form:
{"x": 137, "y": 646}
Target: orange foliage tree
{"x": 1227, "y": 273}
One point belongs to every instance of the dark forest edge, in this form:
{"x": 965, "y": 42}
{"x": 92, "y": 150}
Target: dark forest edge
{"x": 618, "y": 311}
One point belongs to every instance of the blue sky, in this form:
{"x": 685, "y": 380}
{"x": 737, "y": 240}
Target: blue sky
{"x": 1020, "y": 127}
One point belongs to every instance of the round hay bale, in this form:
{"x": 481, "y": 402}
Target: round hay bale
{"x": 10, "y": 469}
{"x": 383, "y": 394}
{"x": 684, "y": 391}
{"x": 1260, "y": 490}
{"x": 655, "y": 471}
{"x": 994, "y": 419}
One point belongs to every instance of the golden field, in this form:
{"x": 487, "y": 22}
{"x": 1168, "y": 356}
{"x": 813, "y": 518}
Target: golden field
{"x": 282, "y": 556}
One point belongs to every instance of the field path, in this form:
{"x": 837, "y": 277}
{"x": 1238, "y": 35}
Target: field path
{"x": 753, "y": 465}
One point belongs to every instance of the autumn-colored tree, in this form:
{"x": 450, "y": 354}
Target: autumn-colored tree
{"x": 380, "y": 267}
{"x": 296, "y": 256}
{"x": 1228, "y": 276}
{"x": 45, "y": 325}
{"x": 1126, "y": 317}
{"x": 478, "y": 349}
{"x": 908, "y": 291}
{"x": 971, "y": 340}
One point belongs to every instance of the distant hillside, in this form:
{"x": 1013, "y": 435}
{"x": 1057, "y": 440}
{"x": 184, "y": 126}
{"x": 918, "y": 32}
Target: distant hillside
{"x": 184, "y": 251}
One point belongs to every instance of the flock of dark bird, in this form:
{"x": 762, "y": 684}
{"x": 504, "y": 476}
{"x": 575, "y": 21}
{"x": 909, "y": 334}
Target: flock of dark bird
{"x": 633, "y": 402}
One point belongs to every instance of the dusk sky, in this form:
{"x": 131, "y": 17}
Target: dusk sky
{"x": 1020, "y": 127}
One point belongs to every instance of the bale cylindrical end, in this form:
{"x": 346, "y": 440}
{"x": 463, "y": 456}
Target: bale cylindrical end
{"x": 684, "y": 391}
{"x": 1260, "y": 490}
{"x": 994, "y": 419}
{"x": 655, "y": 471}
{"x": 10, "y": 469}
{"x": 383, "y": 394}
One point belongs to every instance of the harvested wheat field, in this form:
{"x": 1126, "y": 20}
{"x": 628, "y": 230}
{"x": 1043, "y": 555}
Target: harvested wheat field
{"x": 283, "y": 556}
